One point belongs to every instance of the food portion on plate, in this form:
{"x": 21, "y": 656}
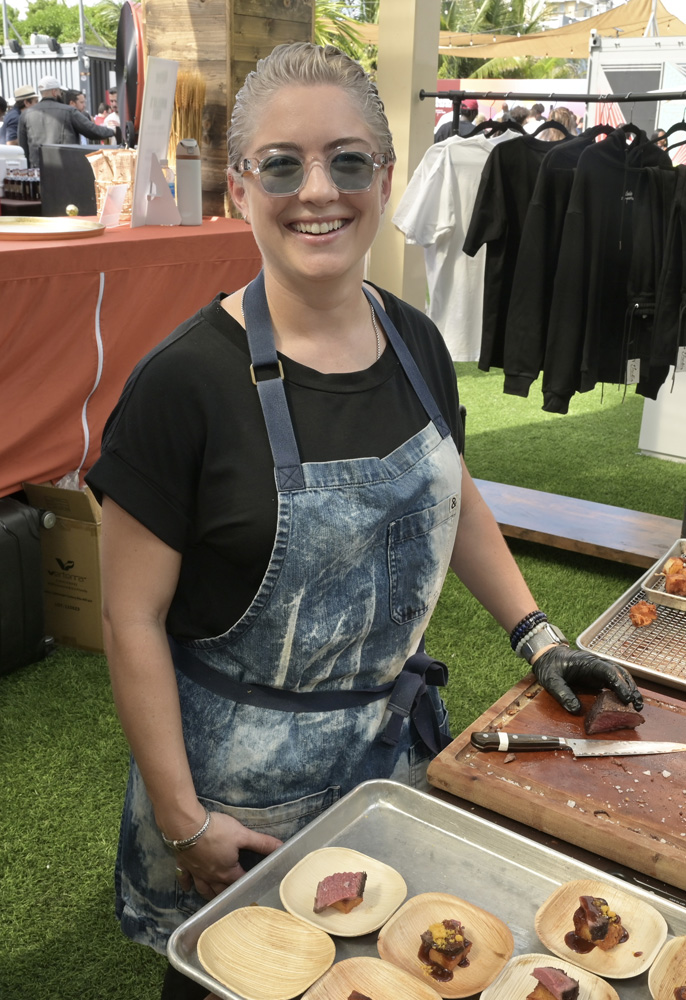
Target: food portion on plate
{"x": 555, "y": 980}
{"x": 422, "y": 920}
{"x": 597, "y": 941}
{"x": 595, "y": 926}
{"x": 667, "y": 976}
{"x": 553, "y": 984}
{"x": 444, "y": 946}
{"x": 342, "y": 891}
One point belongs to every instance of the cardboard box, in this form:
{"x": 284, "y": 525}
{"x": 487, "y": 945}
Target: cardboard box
{"x": 71, "y": 565}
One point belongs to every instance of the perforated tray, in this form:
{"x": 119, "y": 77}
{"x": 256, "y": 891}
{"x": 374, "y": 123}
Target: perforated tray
{"x": 656, "y": 651}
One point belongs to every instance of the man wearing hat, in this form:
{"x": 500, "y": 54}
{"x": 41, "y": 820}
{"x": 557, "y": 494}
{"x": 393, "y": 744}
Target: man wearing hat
{"x": 24, "y": 97}
{"x": 469, "y": 109}
{"x": 52, "y": 122}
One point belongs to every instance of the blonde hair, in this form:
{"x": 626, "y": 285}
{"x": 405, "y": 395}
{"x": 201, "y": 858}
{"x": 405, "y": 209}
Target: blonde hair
{"x": 303, "y": 63}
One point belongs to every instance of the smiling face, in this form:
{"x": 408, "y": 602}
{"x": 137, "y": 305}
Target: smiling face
{"x": 319, "y": 233}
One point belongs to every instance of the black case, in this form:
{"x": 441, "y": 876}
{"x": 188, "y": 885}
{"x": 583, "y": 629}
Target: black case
{"x": 22, "y": 622}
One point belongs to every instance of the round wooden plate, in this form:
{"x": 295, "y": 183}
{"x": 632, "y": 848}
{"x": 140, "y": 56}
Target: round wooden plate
{"x": 516, "y": 982}
{"x": 668, "y": 971}
{"x": 37, "y": 227}
{"x": 265, "y": 954}
{"x": 371, "y": 977}
{"x": 492, "y": 942}
{"x": 384, "y": 891}
{"x": 647, "y": 929}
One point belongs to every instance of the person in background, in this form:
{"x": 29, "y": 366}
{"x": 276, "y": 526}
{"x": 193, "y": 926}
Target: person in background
{"x": 52, "y": 121}
{"x": 77, "y": 99}
{"x": 520, "y": 114}
{"x": 536, "y": 116}
{"x": 469, "y": 109}
{"x": 274, "y": 544}
{"x": 3, "y": 108}
{"x": 659, "y": 137}
{"x": 112, "y": 120}
{"x": 566, "y": 118}
{"x": 24, "y": 97}
{"x": 103, "y": 111}
{"x": 504, "y": 113}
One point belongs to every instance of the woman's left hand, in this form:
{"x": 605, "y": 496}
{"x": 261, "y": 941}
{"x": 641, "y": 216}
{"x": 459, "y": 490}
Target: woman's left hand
{"x": 557, "y": 668}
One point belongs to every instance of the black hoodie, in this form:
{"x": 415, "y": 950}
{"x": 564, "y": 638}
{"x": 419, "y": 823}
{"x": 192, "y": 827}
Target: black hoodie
{"x": 596, "y": 324}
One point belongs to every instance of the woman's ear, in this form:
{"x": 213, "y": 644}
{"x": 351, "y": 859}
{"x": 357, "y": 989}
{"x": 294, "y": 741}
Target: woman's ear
{"x": 386, "y": 184}
{"x": 237, "y": 193}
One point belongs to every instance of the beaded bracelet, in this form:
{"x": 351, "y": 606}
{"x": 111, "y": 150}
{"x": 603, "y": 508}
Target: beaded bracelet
{"x": 183, "y": 845}
{"x": 522, "y": 627}
{"x": 529, "y": 635}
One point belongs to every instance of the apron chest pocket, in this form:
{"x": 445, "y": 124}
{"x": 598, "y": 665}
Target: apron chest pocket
{"x": 419, "y": 550}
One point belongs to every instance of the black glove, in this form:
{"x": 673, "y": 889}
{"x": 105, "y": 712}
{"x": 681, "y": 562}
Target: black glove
{"x": 559, "y": 667}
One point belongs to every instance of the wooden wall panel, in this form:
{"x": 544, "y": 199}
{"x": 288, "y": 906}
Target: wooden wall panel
{"x": 222, "y": 40}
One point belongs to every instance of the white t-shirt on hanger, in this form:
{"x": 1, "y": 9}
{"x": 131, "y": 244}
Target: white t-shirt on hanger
{"x": 434, "y": 212}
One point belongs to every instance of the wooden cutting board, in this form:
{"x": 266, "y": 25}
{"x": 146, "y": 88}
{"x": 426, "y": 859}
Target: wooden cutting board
{"x": 627, "y": 809}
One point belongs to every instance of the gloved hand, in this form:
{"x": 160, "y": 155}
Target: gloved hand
{"x": 559, "y": 667}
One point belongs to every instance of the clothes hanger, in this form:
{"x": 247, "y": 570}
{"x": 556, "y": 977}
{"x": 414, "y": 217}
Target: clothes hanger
{"x": 497, "y": 127}
{"x": 558, "y": 126}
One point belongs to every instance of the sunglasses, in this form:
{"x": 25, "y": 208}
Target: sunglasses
{"x": 282, "y": 174}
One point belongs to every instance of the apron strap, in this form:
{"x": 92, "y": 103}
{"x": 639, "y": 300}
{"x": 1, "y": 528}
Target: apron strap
{"x": 411, "y": 697}
{"x": 262, "y": 696}
{"x": 409, "y": 367}
{"x": 408, "y": 694}
{"x": 267, "y": 374}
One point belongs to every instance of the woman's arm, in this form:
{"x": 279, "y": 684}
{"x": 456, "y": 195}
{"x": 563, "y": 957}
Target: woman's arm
{"x": 484, "y": 563}
{"x": 140, "y": 573}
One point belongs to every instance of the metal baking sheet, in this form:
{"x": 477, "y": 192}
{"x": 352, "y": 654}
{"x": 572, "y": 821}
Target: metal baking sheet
{"x": 437, "y": 847}
{"x": 656, "y": 651}
{"x": 654, "y": 585}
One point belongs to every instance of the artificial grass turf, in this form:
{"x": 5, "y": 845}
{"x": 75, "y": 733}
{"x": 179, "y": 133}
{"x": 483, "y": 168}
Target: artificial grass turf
{"x": 65, "y": 759}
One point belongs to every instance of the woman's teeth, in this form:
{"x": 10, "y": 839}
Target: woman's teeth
{"x": 317, "y": 227}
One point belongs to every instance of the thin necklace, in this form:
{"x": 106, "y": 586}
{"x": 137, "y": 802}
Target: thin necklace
{"x": 376, "y": 333}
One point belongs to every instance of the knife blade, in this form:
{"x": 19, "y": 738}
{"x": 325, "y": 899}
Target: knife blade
{"x": 580, "y": 748}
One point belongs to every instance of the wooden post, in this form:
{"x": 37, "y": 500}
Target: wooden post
{"x": 222, "y": 40}
{"x": 408, "y": 62}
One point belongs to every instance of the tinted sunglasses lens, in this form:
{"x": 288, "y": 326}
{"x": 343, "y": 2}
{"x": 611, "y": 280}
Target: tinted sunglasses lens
{"x": 352, "y": 171}
{"x": 281, "y": 174}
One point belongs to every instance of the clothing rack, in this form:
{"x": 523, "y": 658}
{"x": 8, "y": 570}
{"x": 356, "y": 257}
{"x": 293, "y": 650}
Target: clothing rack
{"x": 570, "y": 535}
{"x": 458, "y": 96}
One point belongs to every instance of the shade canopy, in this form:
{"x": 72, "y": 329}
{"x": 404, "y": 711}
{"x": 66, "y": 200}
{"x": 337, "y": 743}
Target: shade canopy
{"x": 630, "y": 20}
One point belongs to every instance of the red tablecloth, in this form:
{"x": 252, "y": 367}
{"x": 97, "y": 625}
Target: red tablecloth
{"x": 76, "y": 316}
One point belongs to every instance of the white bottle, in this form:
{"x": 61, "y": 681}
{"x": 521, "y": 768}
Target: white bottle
{"x": 189, "y": 182}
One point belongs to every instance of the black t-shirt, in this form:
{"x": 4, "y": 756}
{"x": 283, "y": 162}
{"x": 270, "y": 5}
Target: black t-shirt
{"x": 186, "y": 451}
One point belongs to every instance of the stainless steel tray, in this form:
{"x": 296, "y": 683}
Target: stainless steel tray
{"x": 656, "y": 651}
{"x": 437, "y": 847}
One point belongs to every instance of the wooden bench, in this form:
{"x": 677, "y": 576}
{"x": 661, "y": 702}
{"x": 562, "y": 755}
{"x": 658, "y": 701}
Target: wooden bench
{"x": 596, "y": 529}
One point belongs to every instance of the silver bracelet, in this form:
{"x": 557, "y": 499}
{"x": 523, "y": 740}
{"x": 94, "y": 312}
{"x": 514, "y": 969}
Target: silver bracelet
{"x": 529, "y": 635}
{"x": 547, "y": 636}
{"x": 183, "y": 845}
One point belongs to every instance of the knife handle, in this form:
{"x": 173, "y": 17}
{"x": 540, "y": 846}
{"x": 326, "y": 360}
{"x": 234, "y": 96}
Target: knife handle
{"x": 516, "y": 741}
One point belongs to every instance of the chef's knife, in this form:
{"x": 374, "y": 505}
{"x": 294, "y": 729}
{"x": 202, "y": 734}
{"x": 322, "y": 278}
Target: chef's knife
{"x": 580, "y": 748}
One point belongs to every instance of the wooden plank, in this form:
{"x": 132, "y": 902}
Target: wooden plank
{"x": 628, "y": 809}
{"x": 615, "y": 533}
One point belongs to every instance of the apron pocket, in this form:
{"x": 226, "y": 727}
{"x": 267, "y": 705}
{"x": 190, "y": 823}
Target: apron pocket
{"x": 282, "y": 821}
{"x": 419, "y": 550}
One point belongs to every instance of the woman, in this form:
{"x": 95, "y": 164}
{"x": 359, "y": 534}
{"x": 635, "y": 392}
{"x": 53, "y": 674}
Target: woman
{"x": 288, "y": 519}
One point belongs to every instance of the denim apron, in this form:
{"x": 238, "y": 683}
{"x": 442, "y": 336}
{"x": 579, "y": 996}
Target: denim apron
{"x": 323, "y": 682}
